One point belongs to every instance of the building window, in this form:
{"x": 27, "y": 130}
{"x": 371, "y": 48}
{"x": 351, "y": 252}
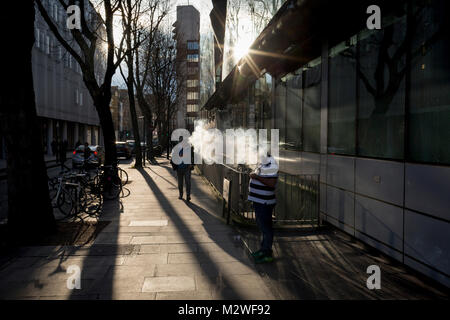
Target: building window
{"x": 37, "y": 39}
{"x": 429, "y": 110}
{"x": 192, "y": 95}
{"x": 381, "y": 90}
{"x": 263, "y": 102}
{"x": 342, "y": 98}
{"x": 47, "y": 44}
{"x": 55, "y": 12}
{"x": 192, "y": 83}
{"x": 192, "y": 108}
{"x": 294, "y": 107}
{"x": 192, "y": 58}
{"x": 192, "y": 45}
{"x": 280, "y": 109}
{"x": 192, "y": 70}
{"x": 311, "y": 106}
{"x": 190, "y": 120}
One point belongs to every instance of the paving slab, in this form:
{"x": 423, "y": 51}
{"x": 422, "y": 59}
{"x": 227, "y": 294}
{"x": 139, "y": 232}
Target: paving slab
{"x": 164, "y": 284}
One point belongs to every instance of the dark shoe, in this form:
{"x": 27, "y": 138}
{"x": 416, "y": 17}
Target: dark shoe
{"x": 180, "y": 197}
{"x": 264, "y": 259}
{"x": 188, "y": 198}
{"x": 257, "y": 254}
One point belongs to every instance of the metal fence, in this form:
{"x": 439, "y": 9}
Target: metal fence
{"x": 298, "y": 196}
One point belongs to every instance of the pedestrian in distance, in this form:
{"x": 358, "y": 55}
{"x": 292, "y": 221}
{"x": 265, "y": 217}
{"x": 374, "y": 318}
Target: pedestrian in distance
{"x": 183, "y": 173}
{"x": 57, "y": 150}
{"x": 262, "y": 188}
{"x": 63, "y": 154}
{"x": 54, "y": 146}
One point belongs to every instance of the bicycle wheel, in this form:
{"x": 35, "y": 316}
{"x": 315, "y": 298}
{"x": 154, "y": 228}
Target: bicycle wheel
{"x": 64, "y": 205}
{"x": 90, "y": 203}
{"x": 123, "y": 175}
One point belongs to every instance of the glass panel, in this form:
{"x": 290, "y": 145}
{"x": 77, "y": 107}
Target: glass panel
{"x": 342, "y": 99}
{"x": 294, "y": 112}
{"x": 192, "y": 83}
{"x": 192, "y": 107}
{"x": 192, "y": 95}
{"x": 280, "y": 109}
{"x": 192, "y": 45}
{"x": 311, "y": 108}
{"x": 429, "y": 112}
{"x": 382, "y": 91}
{"x": 245, "y": 20}
{"x": 263, "y": 102}
{"x": 192, "y": 57}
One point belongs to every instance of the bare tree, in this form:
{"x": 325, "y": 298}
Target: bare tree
{"x": 156, "y": 11}
{"x": 131, "y": 12}
{"x": 85, "y": 45}
{"x": 159, "y": 81}
{"x": 30, "y": 213}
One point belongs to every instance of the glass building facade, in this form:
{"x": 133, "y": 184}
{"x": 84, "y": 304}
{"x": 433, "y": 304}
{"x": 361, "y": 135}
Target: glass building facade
{"x": 371, "y": 115}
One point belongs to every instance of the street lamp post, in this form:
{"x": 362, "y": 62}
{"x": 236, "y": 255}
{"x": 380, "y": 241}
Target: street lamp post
{"x": 143, "y": 139}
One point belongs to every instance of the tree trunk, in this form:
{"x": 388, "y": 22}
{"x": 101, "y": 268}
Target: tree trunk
{"x": 30, "y": 214}
{"x": 146, "y": 110}
{"x": 134, "y": 122}
{"x": 109, "y": 136}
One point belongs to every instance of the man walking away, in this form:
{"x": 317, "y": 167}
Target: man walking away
{"x": 262, "y": 193}
{"x": 184, "y": 173}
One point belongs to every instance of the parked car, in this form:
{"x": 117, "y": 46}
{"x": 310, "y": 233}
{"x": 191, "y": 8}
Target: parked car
{"x": 123, "y": 150}
{"x": 96, "y": 157}
{"x": 157, "y": 148}
{"x": 131, "y": 145}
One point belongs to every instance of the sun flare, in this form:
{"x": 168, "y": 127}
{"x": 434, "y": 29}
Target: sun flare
{"x": 241, "y": 48}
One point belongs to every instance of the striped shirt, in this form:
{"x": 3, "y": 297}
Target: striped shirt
{"x": 259, "y": 192}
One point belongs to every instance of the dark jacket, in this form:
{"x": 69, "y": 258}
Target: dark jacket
{"x": 175, "y": 166}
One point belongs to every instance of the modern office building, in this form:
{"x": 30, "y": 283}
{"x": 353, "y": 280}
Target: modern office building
{"x": 187, "y": 35}
{"x": 367, "y": 110}
{"x": 63, "y": 103}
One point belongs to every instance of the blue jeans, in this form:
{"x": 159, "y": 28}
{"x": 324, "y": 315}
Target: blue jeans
{"x": 263, "y": 214}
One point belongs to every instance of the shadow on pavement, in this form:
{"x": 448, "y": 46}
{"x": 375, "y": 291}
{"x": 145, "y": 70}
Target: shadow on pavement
{"x": 208, "y": 265}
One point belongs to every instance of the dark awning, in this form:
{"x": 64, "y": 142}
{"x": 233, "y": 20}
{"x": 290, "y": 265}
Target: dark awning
{"x": 294, "y": 37}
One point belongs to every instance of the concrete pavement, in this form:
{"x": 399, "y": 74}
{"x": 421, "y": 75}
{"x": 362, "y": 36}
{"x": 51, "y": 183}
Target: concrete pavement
{"x": 159, "y": 247}
{"x": 155, "y": 247}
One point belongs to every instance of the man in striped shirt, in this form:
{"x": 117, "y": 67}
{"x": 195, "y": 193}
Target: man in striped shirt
{"x": 262, "y": 193}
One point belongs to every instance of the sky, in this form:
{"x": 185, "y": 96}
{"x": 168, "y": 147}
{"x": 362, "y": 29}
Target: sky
{"x": 203, "y": 6}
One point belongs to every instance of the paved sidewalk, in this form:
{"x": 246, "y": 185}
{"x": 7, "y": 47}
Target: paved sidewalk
{"x": 158, "y": 247}
{"x": 155, "y": 247}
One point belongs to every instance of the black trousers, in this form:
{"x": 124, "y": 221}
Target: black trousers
{"x": 184, "y": 174}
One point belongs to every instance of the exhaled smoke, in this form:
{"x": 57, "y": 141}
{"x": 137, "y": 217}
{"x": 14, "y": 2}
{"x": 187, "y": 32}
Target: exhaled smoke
{"x": 234, "y": 146}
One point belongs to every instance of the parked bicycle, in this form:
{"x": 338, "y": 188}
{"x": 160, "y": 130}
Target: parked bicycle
{"x": 108, "y": 182}
{"x": 72, "y": 194}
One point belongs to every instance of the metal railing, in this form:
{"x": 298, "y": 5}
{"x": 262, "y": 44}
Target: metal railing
{"x": 298, "y": 196}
